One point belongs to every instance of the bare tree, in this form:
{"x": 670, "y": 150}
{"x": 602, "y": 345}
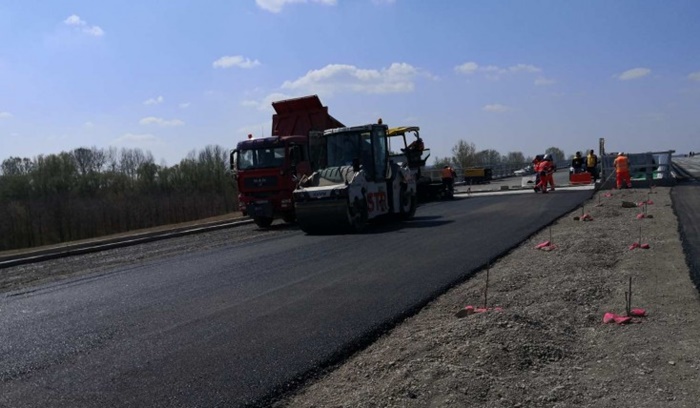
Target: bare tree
{"x": 131, "y": 159}
{"x": 514, "y": 158}
{"x": 488, "y": 157}
{"x": 463, "y": 154}
{"x": 556, "y": 153}
{"x": 112, "y": 159}
{"x": 89, "y": 160}
{"x": 441, "y": 162}
{"x": 15, "y": 166}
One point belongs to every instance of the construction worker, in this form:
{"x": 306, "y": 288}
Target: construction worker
{"x": 541, "y": 171}
{"x": 448, "y": 177}
{"x": 535, "y": 163}
{"x": 577, "y": 165}
{"x": 417, "y": 145}
{"x": 622, "y": 170}
{"x": 414, "y": 152}
{"x": 549, "y": 169}
{"x": 592, "y": 165}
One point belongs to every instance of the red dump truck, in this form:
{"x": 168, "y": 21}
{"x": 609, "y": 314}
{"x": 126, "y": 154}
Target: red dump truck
{"x": 266, "y": 169}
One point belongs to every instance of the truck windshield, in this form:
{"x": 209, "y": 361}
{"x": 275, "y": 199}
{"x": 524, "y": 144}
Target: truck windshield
{"x": 260, "y": 158}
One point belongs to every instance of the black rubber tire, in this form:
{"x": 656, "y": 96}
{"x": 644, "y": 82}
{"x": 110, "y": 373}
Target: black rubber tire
{"x": 408, "y": 203}
{"x": 263, "y": 222}
{"x": 357, "y": 218}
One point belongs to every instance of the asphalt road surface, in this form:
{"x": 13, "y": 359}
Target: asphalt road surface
{"x": 686, "y": 204}
{"x": 234, "y": 326}
{"x": 561, "y": 178}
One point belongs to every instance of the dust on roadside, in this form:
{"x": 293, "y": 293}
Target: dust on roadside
{"x": 232, "y": 216}
{"x": 25, "y": 277}
{"x": 548, "y": 347}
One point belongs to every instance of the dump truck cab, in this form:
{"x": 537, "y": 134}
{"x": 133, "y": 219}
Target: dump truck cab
{"x": 267, "y": 169}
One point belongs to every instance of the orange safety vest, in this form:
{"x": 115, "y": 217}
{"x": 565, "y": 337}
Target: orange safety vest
{"x": 621, "y": 164}
{"x": 447, "y": 173}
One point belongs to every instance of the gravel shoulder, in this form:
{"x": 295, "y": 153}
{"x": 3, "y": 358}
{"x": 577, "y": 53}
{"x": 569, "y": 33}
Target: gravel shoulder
{"x": 25, "y": 277}
{"x": 548, "y": 347}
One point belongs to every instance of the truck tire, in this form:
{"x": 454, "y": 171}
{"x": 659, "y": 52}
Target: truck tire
{"x": 407, "y": 203}
{"x": 262, "y": 222}
{"x": 357, "y": 216}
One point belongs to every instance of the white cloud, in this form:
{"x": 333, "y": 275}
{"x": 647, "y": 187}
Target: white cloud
{"x": 694, "y": 76}
{"x": 634, "y": 73}
{"x": 496, "y": 107}
{"x": 494, "y": 71}
{"x": 94, "y": 31}
{"x": 542, "y": 81}
{"x": 5, "y": 115}
{"x": 152, "y": 120}
{"x": 379, "y": 2}
{"x": 467, "y": 68}
{"x": 154, "y": 101}
{"x": 184, "y": 105}
{"x": 88, "y": 125}
{"x": 525, "y": 68}
{"x": 74, "y": 20}
{"x": 266, "y": 102}
{"x": 275, "y": 6}
{"x": 131, "y": 138}
{"x": 82, "y": 25}
{"x": 399, "y": 77}
{"x": 235, "y": 61}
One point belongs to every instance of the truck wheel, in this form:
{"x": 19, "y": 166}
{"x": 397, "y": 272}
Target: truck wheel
{"x": 408, "y": 203}
{"x": 357, "y": 216}
{"x": 289, "y": 218}
{"x": 263, "y": 222}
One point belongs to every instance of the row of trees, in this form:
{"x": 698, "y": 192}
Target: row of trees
{"x": 91, "y": 192}
{"x": 464, "y": 155}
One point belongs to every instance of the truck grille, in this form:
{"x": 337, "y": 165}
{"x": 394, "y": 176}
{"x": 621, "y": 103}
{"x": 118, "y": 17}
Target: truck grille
{"x": 258, "y": 182}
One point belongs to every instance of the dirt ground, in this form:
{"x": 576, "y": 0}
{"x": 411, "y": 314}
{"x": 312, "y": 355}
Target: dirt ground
{"x": 548, "y": 347}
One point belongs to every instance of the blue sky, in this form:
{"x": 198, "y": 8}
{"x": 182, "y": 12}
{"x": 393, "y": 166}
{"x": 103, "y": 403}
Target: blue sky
{"x": 174, "y": 76}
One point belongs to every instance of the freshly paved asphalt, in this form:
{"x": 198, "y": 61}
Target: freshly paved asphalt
{"x": 233, "y": 326}
{"x": 686, "y": 204}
